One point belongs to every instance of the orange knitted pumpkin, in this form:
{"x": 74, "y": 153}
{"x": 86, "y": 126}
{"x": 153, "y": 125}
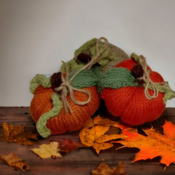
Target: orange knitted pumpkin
{"x": 42, "y": 103}
{"x": 130, "y": 103}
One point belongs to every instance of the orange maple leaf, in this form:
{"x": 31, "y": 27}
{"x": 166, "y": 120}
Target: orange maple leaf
{"x": 152, "y": 145}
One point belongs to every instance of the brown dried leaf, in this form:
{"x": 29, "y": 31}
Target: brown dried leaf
{"x": 15, "y": 161}
{"x": 68, "y": 145}
{"x": 104, "y": 169}
{"x": 17, "y": 134}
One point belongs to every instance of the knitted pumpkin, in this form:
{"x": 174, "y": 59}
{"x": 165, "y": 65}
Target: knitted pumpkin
{"x": 130, "y": 102}
{"x": 63, "y": 122}
{"x": 66, "y": 100}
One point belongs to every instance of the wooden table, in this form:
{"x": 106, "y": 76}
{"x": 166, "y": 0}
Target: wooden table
{"x": 78, "y": 162}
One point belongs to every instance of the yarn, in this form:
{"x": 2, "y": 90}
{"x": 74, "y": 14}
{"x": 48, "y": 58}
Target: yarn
{"x": 131, "y": 104}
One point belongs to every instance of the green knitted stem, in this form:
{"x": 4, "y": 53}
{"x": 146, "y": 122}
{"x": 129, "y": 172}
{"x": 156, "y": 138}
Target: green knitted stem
{"x": 116, "y": 78}
{"x": 135, "y": 56}
{"x": 42, "y": 121}
{"x": 39, "y": 79}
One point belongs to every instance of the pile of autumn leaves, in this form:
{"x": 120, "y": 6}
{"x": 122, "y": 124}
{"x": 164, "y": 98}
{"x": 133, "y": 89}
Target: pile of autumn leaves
{"x": 99, "y": 133}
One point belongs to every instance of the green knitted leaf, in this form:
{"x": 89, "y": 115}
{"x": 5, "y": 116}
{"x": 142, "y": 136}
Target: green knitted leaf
{"x": 86, "y": 78}
{"x": 105, "y": 57}
{"x": 39, "y": 79}
{"x": 42, "y": 121}
{"x": 116, "y": 78}
{"x": 72, "y": 65}
{"x": 84, "y": 47}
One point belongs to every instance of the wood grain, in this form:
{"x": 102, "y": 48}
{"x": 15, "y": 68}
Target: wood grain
{"x": 78, "y": 162}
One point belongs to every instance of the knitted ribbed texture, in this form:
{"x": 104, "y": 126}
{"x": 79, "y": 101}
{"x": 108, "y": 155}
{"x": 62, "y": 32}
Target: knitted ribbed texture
{"x": 131, "y": 104}
{"x": 42, "y": 103}
{"x": 116, "y": 78}
{"x": 86, "y": 78}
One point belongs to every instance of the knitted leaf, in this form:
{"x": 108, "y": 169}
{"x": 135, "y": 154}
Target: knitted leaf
{"x": 84, "y": 47}
{"x": 105, "y": 57}
{"x": 72, "y": 65}
{"x": 86, "y": 78}
{"x": 39, "y": 79}
{"x": 116, "y": 78}
{"x": 41, "y": 123}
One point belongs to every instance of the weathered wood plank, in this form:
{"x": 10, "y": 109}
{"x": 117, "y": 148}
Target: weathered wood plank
{"x": 79, "y": 162}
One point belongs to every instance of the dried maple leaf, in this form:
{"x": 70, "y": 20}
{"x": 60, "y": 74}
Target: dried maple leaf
{"x": 47, "y": 150}
{"x": 100, "y": 132}
{"x": 104, "y": 169}
{"x": 15, "y": 162}
{"x": 152, "y": 145}
{"x": 17, "y": 134}
{"x": 68, "y": 145}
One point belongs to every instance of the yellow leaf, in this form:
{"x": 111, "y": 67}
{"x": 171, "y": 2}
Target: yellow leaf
{"x": 107, "y": 122}
{"x": 100, "y": 130}
{"x": 103, "y": 121}
{"x": 89, "y": 123}
{"x": 15, "y": 161}
{"x": 106, "y": 138}
{"x": 47, "y": 150}
{"x": 87, "y": 136}
{"x": 101, "y": 146}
